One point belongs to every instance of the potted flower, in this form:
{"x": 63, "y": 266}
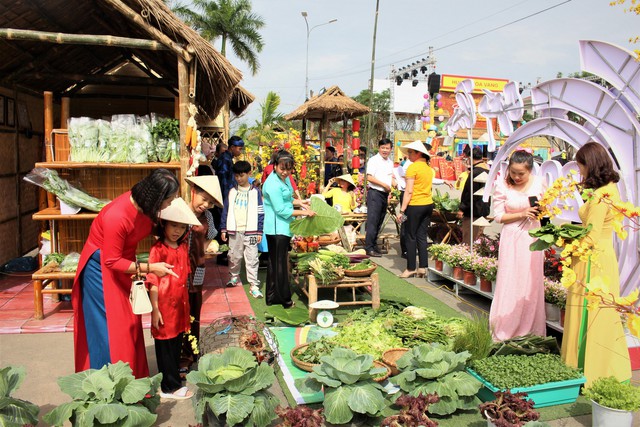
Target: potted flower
{"x": 455, "y": 258}
{"x": 508, "y": 410}
{"x": 487, "y": 269}
{"x": 554, "y": 292}
{"x": 468, "y": 263}
{"x": 612, "y": 402}
{"x": 438, "y": 252}
{"x": 487, "y": 246}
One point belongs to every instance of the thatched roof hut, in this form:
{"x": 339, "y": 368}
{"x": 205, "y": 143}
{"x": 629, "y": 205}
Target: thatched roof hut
{"x": 333, "y": 105}
{"x": 62, "y": 65}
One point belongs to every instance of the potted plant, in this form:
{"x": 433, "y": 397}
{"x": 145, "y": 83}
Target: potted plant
{"x": 233, "y": 386}
{"x": 455, "y": 258}
{"x": 613, "y": 402}
{"x": 468, "y": 264}
{"x": 15, "y": 411}
{"x": 509, "y": 410}
{"x": 437, "y": 251}
{"x": 347, "y": 379}
{"x": 487, "y": 246}
{"x": 414, "y": 411}
{"x": 429, "y": 368}
{"x": 487, "y": 269}
{"x": 554, "y": 292}
{"x": 109, "y": 395}
{"x": 300, "y": 416}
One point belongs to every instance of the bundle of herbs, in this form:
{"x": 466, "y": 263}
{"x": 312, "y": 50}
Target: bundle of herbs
{"x": 476, "y": 338}
{"x": 526, "y": 344}
{"x": 517, "y": 371}
{"x": 51, "y": 181}
{"x": 315, "y": 350}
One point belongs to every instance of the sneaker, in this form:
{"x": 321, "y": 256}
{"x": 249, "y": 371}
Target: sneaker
{"x": 234, "y": 282}
{"x": 255, "y": 292}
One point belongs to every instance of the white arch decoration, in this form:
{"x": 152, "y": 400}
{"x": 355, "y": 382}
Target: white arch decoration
{"x": 611, "y": 121}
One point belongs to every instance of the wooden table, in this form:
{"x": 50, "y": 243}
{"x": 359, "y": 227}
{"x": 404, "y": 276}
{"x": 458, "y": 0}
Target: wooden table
{"x": 370, "y": 284}
{"x": 41, "y": 281}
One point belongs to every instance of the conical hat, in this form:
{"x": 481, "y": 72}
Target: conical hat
{"x": 179, "y": 211}
{"x": 482, "y": 178}
{"x": 481, "y": 222}
{"x": 348, "y": 178}
{"x": 416, "y": 145}
{"x": 210, "y": 184}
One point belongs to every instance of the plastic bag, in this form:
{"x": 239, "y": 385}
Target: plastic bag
{"x": 70, "y": 263}
{"x": 51, "y": 181}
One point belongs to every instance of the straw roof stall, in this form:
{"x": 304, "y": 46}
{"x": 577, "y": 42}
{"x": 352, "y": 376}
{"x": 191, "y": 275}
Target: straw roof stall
{"x": 333, "y": 105}
{"x": 240, "y": 100}
{"x": 60, "y": 45}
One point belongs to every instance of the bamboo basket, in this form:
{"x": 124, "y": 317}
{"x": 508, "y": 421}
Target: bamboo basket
{"x": 378, "y": 364}
{"x": 305, "y": 366}
{"x": 361, "y": 273}
{"x": 329, "y": 242}
{"x": 391, "y": 356}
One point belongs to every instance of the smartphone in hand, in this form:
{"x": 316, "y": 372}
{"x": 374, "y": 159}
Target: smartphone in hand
{"x": 533, "y": 201}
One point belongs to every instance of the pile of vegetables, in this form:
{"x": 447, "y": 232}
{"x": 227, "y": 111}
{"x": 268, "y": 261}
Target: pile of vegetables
{"x": 444, "y": 202}
{"x": 362, "y": 265}
{"x": 51, "y": 181}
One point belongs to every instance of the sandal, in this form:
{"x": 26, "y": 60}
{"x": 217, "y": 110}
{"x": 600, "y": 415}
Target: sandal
{"x": 182, "y": 393}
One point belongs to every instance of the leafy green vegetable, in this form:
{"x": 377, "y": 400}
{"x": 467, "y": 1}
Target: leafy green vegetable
{"x": 51, "y": 181}
{"x": 515, "y": 371}
{"x": 429, "y": 369}
{"x": 13, "y": 411}
{"x": 445, "y": 202}
{"x": 349, "y": 388}
{"x": 527, "y": 344}
{"x": 55, "y": 256}
{"x": 315, "y": 350}
{"x": 232, "y": 383}
{"x": 110, "y": 395}
{"x": 325, "y": 221}
{"x": 362, "y": 265}
{"x": 367, "y": 337}
{"x": 549, "y": 234}
{"x": 613, "y": 394}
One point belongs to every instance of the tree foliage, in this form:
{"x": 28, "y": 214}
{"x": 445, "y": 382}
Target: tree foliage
{"x": 380, "y": 106}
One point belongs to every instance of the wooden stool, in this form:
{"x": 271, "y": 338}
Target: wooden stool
{"x": 41, "y": 281}
{"x": 370, "y": 284}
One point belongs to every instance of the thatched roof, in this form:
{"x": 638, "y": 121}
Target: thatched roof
{"x": 332, "y": 104}
{"x": 240, "y": 100}
{"x": 38, "y": 66}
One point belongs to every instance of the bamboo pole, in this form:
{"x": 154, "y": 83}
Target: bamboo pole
{"x": 183, "y": 107}
{"x": 48, "y": 142}
{"x": 152, "y": 31}
{"x": 65, "y": 104}
{"x": 83, "y": 39}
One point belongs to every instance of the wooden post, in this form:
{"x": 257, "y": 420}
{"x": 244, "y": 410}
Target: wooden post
{"x": 65, "y": 104}
{"x": 183, "y": 107}
{"x": 48, "y": 142}
{"x": 322, "y": 151}
{"x": 345, "y": 161}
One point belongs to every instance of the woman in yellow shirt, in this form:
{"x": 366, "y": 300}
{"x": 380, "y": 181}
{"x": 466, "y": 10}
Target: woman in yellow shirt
{"x": 417, "y": 207}
{"x": 342, "y": 195}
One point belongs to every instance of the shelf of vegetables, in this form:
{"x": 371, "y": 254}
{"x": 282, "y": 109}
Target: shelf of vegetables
{"x": 436, "y": 275}
{"x": 102, "y": 165}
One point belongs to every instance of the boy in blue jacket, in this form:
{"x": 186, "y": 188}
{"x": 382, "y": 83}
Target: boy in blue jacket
{"x": 241, "y": 222}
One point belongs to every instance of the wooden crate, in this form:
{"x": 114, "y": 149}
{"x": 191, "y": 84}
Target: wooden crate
{"x": 61, "y": 148}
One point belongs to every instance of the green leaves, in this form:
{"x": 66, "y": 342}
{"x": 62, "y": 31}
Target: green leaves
{"x": 233, "y": 384}
{"x": 613, "y": 394}
{"x": 15, "y": 412}
{"x": 550, "y": 233}
{"x": 326, "y": 220}
{"x": 110, "y": 395}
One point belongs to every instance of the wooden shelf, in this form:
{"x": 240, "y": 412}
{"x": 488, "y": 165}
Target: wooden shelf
{"x": 54, "y": 213}
{"x": 78, "y": 165}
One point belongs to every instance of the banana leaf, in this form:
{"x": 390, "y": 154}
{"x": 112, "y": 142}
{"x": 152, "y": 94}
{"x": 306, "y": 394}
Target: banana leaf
{"x": 526, "y": 344}
{"x": 326, "y": 220}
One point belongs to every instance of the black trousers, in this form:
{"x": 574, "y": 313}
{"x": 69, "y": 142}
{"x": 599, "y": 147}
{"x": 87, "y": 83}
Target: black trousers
{"x": 403, "y": 230}
{"x": 195, "y": 307}
{"x": 376, "y": 210}
{"x": 417, "y": 223}
{"x": 278, "y": 288}
{"x": 168, "y": 358}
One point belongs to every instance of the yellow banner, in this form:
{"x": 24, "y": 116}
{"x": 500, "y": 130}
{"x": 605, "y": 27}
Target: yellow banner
{"x": 449, "y": 83}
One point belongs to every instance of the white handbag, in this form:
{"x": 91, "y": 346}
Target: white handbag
{"x": 139, "y": 297}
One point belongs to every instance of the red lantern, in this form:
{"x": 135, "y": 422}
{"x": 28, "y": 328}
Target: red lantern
{"x": 355, "y": 143}
{"x": 327, "y": 144}
{"x": 355, "y": 125}
{"x": 303, "y": 171}
{"x": 355, "y": 162}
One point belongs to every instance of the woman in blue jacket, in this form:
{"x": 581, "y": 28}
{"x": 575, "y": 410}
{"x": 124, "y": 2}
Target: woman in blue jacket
{"x": 279, "y": 210}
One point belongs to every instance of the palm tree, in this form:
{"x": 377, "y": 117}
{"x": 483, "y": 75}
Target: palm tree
{"x": 229, "y": 20}
{"x": 264, "y": 130}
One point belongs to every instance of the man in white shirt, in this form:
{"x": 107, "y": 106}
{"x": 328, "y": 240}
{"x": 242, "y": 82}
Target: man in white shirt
{"x": 380, "y": 180}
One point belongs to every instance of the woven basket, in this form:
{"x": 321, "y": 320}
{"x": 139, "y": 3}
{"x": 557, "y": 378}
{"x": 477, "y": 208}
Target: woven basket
{"x": 391, "y": 356}
{"x": 361, "y": 273}
{"x": 329, "y": 242}
{"x": 377, "y": 364}
{"x": 305, "y": 366}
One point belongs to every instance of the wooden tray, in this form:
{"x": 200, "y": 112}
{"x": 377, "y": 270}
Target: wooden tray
{"x": 361, "y": 273}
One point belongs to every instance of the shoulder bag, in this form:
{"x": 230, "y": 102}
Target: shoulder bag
{"x": 139, "y": 297}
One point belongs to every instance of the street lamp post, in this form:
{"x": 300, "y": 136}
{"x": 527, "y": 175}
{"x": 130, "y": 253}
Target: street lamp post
{"x": 306, "y": 72}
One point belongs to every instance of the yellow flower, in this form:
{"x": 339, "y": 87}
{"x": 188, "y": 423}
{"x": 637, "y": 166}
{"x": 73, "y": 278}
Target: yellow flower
{"x": 593, "y": 302}
{"x": 599, "y": 285}
{"x": 620, "y": 231}
{"x": 630, "y": 299}
{"x": 560, "y": 242}
{"x": 568, "y": 277}
{"x": 633, "y": 323}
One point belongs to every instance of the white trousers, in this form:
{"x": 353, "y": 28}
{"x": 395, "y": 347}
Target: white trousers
{"x": 244, "y": 247}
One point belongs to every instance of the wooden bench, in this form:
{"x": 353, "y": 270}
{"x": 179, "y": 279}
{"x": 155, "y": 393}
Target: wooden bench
{"x": 41, "y": 281}
{"x": 369, "y": 284}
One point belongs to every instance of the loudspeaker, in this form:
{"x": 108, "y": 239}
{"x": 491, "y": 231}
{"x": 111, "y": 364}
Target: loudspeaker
{"x": 433, "y": 83}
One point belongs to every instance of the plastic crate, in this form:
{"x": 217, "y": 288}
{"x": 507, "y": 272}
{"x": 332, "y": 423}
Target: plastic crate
{"x": 549, "y": 394}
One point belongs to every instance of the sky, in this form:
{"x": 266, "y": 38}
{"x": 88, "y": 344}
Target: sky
{"x": 525, "y": 41}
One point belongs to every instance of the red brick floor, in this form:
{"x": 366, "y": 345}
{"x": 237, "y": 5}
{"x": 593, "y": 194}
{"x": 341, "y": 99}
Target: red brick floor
{"x": 17, "y": 308}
